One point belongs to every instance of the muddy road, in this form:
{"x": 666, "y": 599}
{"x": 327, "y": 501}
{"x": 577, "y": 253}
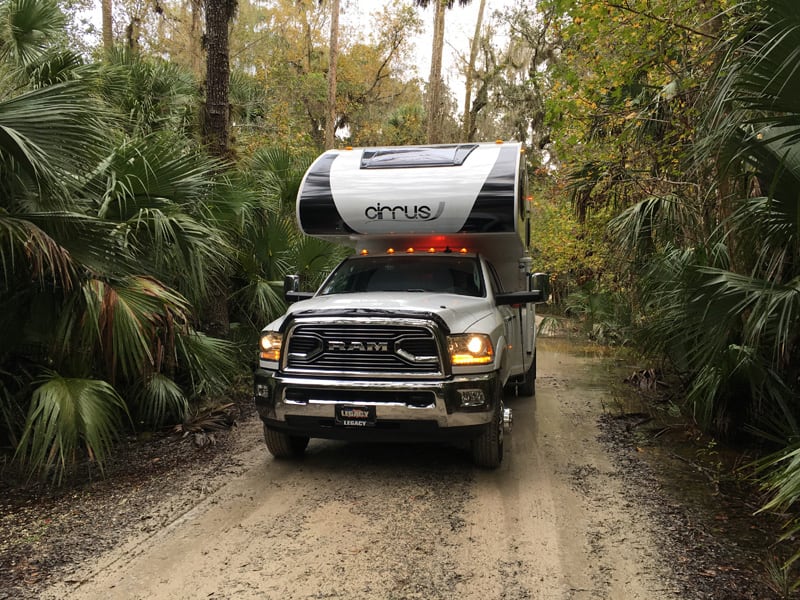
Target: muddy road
{"x": 400, "y": 522}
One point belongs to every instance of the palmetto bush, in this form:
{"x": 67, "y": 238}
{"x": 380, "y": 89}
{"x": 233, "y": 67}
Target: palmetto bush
{"x": 269, "y": 242}
{"x": 117, "y": 233}
{"x": 726, "y": 305}
{"x": 109, "y": 236}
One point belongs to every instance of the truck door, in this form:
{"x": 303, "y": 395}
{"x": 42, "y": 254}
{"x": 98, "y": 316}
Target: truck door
{"x": 512, "y": 325}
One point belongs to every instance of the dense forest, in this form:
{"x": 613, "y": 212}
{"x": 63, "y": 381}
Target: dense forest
{"x": 148, "y": 172}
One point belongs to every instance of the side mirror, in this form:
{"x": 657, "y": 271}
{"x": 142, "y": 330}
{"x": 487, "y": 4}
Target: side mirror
{"x": 541, "y": 282}
{"x": 513, "y": 298}
{"x": 291, "y": 285}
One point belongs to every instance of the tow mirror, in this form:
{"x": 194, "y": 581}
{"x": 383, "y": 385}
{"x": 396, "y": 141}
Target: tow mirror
{"x": 291, "y": 287}
{"x": 541, "y": 282}
{"x": 517, "y": 298}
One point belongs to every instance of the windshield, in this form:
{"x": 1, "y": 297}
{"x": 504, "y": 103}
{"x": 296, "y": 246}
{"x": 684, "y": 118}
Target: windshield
{"x": 441, "y": 274}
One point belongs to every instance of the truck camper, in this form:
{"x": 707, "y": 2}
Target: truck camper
{"x": 417, "y": 335}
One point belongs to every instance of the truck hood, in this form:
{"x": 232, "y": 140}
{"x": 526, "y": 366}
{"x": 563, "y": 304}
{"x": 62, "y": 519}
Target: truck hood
{"x": 458, "y": 312}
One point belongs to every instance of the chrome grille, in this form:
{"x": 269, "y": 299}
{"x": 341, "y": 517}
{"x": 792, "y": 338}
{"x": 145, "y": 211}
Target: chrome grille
{"x": 362, "y": 348}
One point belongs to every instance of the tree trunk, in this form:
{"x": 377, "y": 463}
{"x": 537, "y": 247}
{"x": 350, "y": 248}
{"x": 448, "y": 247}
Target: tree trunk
{"x": 196, "y": 37}
{"x": 108, "y": 34}
{"x": 434, "y": 103}
{"x": 216, "y": 134}
{"x": 330, "y": 125}
{"x": 216, "y": 124}
{"x": 466, "y": 132}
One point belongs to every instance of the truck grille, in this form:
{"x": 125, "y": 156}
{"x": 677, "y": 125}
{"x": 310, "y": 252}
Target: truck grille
{"x": 360, "y": 348}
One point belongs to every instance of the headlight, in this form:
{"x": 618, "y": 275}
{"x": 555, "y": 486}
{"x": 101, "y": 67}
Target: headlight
{"x": 470, "y": 349}
{"x": 271, "y": 342}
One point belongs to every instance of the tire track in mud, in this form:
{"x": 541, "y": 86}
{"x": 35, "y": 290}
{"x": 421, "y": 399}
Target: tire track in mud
{"x": 403, "y": 522}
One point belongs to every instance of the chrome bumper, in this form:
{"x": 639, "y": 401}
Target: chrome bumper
{"x": 322, "y": 395}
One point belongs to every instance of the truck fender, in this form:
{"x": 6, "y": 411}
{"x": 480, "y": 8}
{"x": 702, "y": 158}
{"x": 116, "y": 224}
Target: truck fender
{"x": 501, "y": 359}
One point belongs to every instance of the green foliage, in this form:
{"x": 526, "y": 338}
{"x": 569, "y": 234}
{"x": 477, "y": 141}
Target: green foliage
{"x": 269, "y": 242}
{"x": 406, "y": 125}
{"x": 573, "y": 253}
{"x": 27, "y": 28}
{"x": 149, "y": 94}
{"x": 604, "y": 314}
{"x": 66, "y": 414}
{"x": 108, "y": 238}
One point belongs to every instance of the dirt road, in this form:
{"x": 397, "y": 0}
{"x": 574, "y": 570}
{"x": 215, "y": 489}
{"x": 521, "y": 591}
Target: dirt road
{"x": 400, "y": 522}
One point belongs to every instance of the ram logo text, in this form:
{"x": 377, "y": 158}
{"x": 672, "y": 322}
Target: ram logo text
{"x": 343, "y": 346}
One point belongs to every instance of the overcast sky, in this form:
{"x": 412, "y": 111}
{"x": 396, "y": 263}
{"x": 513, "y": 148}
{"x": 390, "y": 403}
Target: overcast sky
{"x": 459, "y": 30}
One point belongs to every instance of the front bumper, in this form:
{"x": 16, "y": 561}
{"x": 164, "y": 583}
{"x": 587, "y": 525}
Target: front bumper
{"x": 415, "y": 410}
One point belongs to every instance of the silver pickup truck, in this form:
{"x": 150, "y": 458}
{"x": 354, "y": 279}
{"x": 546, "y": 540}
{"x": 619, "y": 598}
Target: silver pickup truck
{"x": 417, "y": 335}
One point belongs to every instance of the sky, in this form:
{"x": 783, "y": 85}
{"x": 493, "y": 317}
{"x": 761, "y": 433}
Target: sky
{"x": 459, "y": 30}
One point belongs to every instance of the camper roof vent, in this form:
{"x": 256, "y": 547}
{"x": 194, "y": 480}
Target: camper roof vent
{"x": 450, "y": 155}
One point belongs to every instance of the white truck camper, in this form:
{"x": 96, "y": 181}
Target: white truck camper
{"x": 418, "y": 334}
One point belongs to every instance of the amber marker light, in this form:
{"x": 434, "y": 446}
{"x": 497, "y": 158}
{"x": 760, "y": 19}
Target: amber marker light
{"x": 410, "y": 250}
{"x": 390, "y": 251}
{"x": 463, "y": 251}
{"x": 431, "y": 249}
{"x": 364, "y": 252}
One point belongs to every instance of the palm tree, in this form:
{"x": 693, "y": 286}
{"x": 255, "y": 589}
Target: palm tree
{"x": 333, "y": 57}
{"x": 216, "y": 130}
{"x": 470, "y": 73}
{"x": 107, "y": 22}
{"x": 756, "y": 124}
{"x": 104, "y": 216}
{"x": 434, "y": 98}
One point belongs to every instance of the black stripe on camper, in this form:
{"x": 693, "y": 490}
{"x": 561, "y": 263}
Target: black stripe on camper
{"x": 493, "y": 211}
{"x": 317, "y": 212}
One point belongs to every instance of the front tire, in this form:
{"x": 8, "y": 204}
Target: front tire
{"x": 282, "y": 445}
{"x": 487, "y": 449}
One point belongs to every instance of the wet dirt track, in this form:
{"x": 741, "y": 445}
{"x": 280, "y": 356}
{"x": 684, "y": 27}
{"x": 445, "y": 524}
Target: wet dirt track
{"x": 400, "y": 522}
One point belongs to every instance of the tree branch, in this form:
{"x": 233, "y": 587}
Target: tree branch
{"x": 661, "y": 20}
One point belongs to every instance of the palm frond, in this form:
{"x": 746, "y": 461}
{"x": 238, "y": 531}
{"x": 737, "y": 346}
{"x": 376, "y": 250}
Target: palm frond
{"x": 24, "y": 246}
{"x": 27, "y": 28}
{"x": 157, "y": 399}
{"x": 127, "y": 323}
{"x": 279, "y": 173}
{"x": 66, "y": 418}
{"x": 209, "y": 362}
{"x": 758, "y": 82}
{"x": 49, "y": 135}
{"x": 260, "y": 301}
{"x": 653, "y": 222}
{"x": 149, "y": 94}
{"x": 158, "y": 198}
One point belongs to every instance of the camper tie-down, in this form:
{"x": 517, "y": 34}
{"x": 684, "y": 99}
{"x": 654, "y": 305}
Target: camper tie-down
{"x": 418, "y": 334}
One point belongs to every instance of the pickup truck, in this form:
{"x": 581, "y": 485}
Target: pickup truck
{"x": 418, "y": 334}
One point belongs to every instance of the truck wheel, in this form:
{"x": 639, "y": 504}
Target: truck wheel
{"x": 528, "y": 385}
{"x": 282, "y": 445}
{"x": 487, "y": 449}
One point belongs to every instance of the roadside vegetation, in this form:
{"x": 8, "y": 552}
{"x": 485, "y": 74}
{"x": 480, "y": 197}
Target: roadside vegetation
{"x": 145, "y": 232}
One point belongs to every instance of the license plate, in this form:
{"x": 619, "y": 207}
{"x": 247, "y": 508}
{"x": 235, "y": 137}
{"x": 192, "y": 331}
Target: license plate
{"x": 355, "y": 416}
